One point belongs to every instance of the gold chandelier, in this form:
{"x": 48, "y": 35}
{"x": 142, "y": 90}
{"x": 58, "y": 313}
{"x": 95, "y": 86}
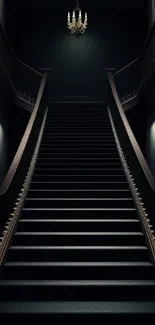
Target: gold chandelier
{"x": 77, "y": 27}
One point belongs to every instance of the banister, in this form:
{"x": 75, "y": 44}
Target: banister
{"x": 13, "y": 53}
{"x": 20, "y": 151}
{"x": 149, "y": 36}
{"x": 133, "y": 141}
{"x": 126, "y": 66}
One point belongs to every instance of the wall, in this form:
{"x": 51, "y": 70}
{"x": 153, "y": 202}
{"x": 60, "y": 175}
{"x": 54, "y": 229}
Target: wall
{"x": 13, "y": 122}
{"x": 114, "y": 38}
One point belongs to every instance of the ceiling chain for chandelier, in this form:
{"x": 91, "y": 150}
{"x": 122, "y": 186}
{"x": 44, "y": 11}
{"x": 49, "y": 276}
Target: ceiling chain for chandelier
{"x": 77, "y": 27}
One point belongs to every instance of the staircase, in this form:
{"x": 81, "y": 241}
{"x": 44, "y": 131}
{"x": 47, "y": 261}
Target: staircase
{"x": 78, "y": 249}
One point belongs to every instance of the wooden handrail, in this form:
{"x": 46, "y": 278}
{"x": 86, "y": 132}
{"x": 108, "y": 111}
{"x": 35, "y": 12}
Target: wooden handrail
{"x": 13, "y": 53}
{"x": 131, "y": 136}
{"x": 149, "y": 36}
{"x": 20, "y": 151}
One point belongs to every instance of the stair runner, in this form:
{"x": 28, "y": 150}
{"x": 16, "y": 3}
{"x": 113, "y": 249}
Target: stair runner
{"x": 78, "y": 248}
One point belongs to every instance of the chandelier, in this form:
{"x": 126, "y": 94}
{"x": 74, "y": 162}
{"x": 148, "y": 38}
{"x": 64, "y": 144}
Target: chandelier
{"x": 77, "y": 27}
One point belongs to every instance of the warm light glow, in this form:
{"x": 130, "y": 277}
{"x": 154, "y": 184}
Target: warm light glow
{"x": 77, "y": 27}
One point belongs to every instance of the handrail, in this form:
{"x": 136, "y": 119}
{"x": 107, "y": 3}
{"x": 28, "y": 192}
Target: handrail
{"x": 126, "y": 66}
{"x": 24, "y": 79}
{"x": 142, "y": 50}
{"x": 131, "y": 136}
{"x": 20, "y": 151}
{"x": 13, "y": 53}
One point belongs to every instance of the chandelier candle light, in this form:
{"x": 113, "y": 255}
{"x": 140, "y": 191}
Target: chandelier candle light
{"x": 77, "y": 27}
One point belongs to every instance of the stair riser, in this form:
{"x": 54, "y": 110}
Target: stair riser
{"x": 78, "y": 194}
{"x": 79, "y": 178}
{"x": 79, "y": 160}
{"x": 74, "y": 185}
{"x": 68, "y": 293}
{"x": 59, "y": 203}
{"x": 107, "y": 145}
{"x": 80, "y": 165}
{"x": 74, "y": 255}
{"x": 78, "y": 171}
{"x": 77, "y": 153}
{"x": 78, "y": 141}
{"x": 48, "y": 147}
{"x": 75, "y": 121}
{"x": 78, "y": 129}
{"x": 78, "y": 138}
{"x": 79, "y": 214}
{"x": 77, "y": 226}
{"x": 78, "y": 273}
{"x": 76, "y": 240}
{"x": 59, "y": 153}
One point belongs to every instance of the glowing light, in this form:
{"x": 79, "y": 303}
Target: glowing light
{"x": 76, "y": 26}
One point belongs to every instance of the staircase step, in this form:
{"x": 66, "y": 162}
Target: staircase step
{"x": 78, "y": 131}
{"x": 79, "y": 203}
{"x": 79, "y": 160}
{"x": 82, "y": 225}
{"x": 106, "y": 147}
{"x": 78, "y": 253}
{"x": 74, "y": 193}
{"x": 76, "y": 154}
{"x": 79, "y": 171}
{"x": 73, "y": 290}
{"x": 78, "y": 123}
{"x": 79, "y": 270}
{"x": 79, "y": 137}
{"x": 79, "y": 310}
{"x": 78, "y": 185}
{"x": 71, "y": 213}
{"x": 78, "y": 178}
{"x": 80, "y": 134}
{"x": 78, "y": 238}
{"x": 81, "y": 165}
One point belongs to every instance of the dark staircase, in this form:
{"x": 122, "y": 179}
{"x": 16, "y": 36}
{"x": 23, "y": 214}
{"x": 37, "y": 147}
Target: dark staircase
{"x": 78, "y": 249}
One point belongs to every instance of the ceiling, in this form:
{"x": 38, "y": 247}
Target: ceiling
{"x": 114, "y": 5}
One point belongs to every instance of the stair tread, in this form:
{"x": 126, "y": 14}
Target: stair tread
{"x": 79, "y": 199}
{"x": 80, "y": 220}
{"x": 85, "y": 182}
{"x": 21, "y": 233}
{"x": 77, "y": 307}
{"x": 78, "y": 190}
{"x": 85, "y": 283}
{"x": 79, "y": 209}
{"x": 79, "y": 248}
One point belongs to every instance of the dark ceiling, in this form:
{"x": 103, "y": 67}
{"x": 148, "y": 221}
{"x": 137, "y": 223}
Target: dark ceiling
{"x": 114, "y": 5}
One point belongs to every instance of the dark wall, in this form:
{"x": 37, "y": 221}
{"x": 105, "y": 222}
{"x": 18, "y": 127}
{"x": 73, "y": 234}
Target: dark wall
{"x": 13, "y": 121}
{"x": 39, "y": 36}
